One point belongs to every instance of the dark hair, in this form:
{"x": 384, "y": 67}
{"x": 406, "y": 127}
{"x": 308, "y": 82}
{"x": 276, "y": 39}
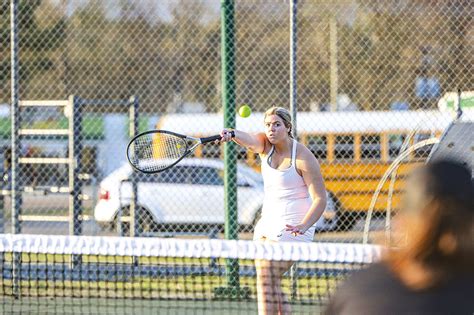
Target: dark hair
{"x": 450, "y": 181}
{"x": 445, "y": 246}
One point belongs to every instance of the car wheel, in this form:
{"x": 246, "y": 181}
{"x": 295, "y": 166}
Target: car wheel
{"x": 345, "y": 221}
{"x": 255, "y": 220}
{"x": 332, "y": 218}
{"x": 146, "y": 221}
{"x": 107, "y": 226}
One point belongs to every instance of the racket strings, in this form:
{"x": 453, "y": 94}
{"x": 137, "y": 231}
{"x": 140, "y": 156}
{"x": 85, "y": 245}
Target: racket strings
{"x": 156, "y": 151}
{"x": 171, "y": 147}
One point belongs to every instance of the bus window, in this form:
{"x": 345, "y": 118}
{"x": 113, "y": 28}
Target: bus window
{"x": 370, "y": 147}
{"x": 344, "y": 149}
{"x": 253, "y": 160}
{"x": 422, "y": 152}
{"x": 256, "y": 159}
{"x": 211, "y": 151}
{"x": 395, "y": 145}
{"x": 317, "y": 145}
{"x": 241, "y": 153}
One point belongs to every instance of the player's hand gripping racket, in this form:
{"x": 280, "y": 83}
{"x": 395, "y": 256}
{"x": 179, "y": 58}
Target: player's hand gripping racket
{"x": 157, "y": 150}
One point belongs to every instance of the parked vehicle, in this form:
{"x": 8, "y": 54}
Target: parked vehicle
{"x": 188, "y": 196}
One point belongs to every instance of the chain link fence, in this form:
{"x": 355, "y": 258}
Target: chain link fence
{"x": 371, "y": 79}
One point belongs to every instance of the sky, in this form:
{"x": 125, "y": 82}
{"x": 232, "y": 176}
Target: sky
{"x": 153, "y": 9}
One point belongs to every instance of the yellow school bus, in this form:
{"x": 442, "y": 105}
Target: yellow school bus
{"x": 354, "y": 149}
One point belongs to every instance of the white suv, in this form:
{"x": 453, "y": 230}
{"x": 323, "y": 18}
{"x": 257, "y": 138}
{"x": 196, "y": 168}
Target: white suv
{"x": 190, "y": 193}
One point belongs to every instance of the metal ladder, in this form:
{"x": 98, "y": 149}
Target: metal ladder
{"x": 72, "y": 110}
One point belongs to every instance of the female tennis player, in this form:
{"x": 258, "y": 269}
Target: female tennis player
{"x": 295, "y": 198}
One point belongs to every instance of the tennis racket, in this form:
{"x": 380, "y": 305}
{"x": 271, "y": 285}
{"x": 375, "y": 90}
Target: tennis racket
{"x": 157, "y": 150}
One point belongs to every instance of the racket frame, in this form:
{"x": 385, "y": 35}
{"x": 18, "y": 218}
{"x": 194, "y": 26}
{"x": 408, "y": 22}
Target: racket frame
{"x": 188, "y": 149}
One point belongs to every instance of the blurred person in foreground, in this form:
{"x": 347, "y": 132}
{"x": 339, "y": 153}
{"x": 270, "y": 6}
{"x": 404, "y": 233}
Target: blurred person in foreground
{"x": 432, "y": 271}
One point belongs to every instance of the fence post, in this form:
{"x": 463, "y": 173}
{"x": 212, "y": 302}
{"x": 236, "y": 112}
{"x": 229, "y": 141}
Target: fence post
{"x": 135, "y": 228}
{"x": 75, "y": 152}
{"x": 233, "y": 289}
{"x": 15, "y": 125}
{"x": 293, "y": 107}
{"x": 75, "y": 185}
{"x": 293, "y": 64}
{"x": 333, "y": 62}
{"x": 15, "y": 117}
{"x": 228, "y": 103}
{"x": 2, "y": 211}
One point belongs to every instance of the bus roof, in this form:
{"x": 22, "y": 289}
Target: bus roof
{"x": 319, "y": 122}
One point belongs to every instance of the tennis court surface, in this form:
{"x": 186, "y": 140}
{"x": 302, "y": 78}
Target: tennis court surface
{"x": 112, "y": 275}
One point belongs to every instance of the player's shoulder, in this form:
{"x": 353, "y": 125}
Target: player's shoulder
{"x": 305, "y": 159}
{"x": 302, "y": 152}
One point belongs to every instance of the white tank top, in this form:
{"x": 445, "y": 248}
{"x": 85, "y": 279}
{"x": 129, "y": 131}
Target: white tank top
{"x": 284, "y": 184}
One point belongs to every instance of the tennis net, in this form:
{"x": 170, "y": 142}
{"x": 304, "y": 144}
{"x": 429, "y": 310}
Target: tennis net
{"x": 114, "y": 275}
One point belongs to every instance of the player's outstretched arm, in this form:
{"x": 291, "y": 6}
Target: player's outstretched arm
{"x": 253, "y": 142}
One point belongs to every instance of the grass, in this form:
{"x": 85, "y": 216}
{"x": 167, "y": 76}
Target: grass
{"x": 188, "y": 287}
{"x": 151, "y": 278}
{"x": 118, "y": 291}
{"x": 5, "y": 127}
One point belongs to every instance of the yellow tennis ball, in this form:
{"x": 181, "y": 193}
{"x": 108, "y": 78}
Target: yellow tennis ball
{"x": 245, "y": 111}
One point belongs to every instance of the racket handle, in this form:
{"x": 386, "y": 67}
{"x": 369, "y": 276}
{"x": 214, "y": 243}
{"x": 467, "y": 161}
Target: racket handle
{"x": 214, "y": 138}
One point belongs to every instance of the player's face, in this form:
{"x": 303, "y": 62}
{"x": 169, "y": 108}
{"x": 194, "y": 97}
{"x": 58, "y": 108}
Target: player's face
{"x": 275, "y": 129}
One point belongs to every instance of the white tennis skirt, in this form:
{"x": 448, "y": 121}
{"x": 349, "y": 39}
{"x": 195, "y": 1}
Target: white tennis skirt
{"x": 276, "y": 214}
